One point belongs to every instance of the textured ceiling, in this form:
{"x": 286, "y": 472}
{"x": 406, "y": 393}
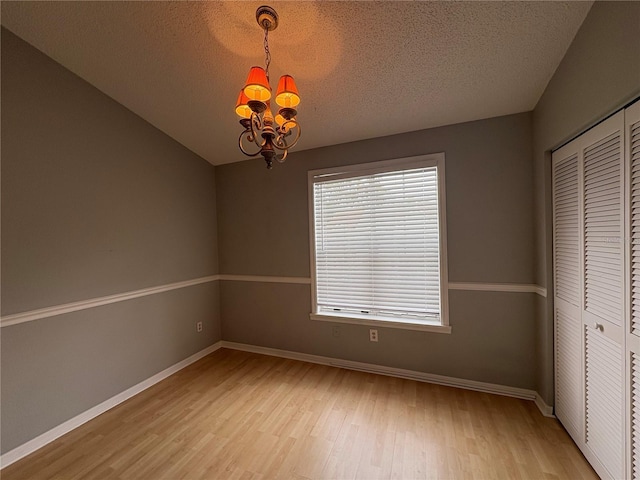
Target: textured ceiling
{"x": 364, "y": 69}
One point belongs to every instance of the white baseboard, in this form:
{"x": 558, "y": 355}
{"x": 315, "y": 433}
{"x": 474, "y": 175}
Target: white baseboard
{"x": 56, "y": 432}
{"x": 546, "y": 410}
{"x": 493, "y": 388}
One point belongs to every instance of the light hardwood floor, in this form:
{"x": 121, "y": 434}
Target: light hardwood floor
{"x": 246, "y": 416}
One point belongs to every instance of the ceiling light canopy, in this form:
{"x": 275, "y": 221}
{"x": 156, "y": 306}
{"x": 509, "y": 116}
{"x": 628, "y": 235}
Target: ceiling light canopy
{"x": 254, "y": 105}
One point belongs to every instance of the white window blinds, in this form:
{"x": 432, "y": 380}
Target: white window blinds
{"x": 377, "y": 244}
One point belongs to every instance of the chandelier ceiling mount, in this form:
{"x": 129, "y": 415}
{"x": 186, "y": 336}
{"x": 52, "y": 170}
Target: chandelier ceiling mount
{"x": 267, "y": 18}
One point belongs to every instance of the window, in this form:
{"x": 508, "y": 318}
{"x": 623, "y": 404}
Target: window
{"x": 378, "y": 244}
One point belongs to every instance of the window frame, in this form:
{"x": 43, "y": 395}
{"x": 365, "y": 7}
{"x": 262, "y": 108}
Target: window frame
{"x": 406, "y": 163}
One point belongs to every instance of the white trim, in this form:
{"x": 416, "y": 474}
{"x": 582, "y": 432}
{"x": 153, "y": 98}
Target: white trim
{"x": 444, "y": 264}
{"x": 492, "y": 388}
{"x": 484, "y": 287}
{"x": 370, "y": 168}
{"x": 52, "y": 311}
{"x": 391, "y": 323}
{"x": 631, "y": 341}
{"x": 546, "y": 410}
{"x": 31, "y": 315}
{"x": 266, "y": 279}
{"x": 541, "y": 291}
{"x": 499, "y": 287}
{"x": 56, "y": 432}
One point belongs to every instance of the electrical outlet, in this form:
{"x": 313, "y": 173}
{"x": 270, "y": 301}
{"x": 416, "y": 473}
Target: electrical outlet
{"x": 336, "y": 331}
{"x": 199, "y": 327}
{"x": 373, "y": 335}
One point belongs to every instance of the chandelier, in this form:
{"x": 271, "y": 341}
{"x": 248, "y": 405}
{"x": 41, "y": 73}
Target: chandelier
{"x": 272, "y": 136}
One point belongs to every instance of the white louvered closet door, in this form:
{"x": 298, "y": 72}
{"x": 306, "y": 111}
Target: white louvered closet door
{"x": 632, "y": 154}
{"x": 590, "y": 294}
{"x": 567, "y": 280}
{"x": 603, "y": 314}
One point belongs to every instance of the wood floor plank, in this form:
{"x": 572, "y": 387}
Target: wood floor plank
{"x": 238, "y": 415}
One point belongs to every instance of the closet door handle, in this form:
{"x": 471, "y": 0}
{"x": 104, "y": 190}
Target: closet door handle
{"x": 598, "y": 326}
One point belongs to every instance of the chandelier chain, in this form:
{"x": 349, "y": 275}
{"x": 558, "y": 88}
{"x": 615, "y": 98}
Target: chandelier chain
{"x": 267, "y": 53}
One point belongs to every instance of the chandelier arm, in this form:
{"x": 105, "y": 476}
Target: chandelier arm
{"x": 282, "y": 158}
{"x": 280, "y": 143}
{"x": 249, "y": 139}
{"x": 256, "y": 128}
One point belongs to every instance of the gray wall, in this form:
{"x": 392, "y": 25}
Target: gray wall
{"x": 263, "y": 230}
{"x": 95, "y": 201}
{"x": 599, "y": 74}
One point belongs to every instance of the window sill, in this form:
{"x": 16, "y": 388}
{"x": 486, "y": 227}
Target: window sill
{"x": 403, "y": 325}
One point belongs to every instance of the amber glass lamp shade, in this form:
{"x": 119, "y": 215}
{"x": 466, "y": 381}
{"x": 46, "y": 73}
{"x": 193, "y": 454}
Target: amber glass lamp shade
{"x": 242, "y": 109}
{"x": 257, "y": 86}
{"x": 287, "y": 93}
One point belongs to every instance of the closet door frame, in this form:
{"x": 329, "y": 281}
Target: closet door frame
{"x": 632, "y": 341}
